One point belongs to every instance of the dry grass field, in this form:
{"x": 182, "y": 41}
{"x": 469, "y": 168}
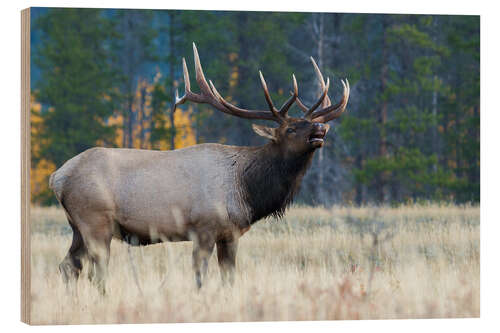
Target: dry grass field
{"x": 315, "y": 264}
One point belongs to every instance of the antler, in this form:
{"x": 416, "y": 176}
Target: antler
{"x": 328, "y": 111}
{"x": 283, "y": 112}
{"x": 210, "y": 95}
{"x": 295, "y": 94}
{"x": 278, "y": 115}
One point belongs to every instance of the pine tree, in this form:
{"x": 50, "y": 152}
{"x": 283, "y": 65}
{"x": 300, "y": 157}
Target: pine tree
{"x": 76, "y": 88}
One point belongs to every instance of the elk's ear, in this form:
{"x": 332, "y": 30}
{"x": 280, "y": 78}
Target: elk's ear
{"x": 264, "y": 131}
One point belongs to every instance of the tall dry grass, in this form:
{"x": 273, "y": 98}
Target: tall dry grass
{"x": 315, "y": 264}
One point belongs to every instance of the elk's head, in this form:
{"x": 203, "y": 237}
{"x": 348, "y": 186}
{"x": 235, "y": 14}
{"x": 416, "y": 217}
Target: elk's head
{"x": 293, "y": 135}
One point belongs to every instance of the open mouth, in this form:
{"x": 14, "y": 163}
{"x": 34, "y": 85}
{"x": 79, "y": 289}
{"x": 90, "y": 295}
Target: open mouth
{"x": 317, "y": 137}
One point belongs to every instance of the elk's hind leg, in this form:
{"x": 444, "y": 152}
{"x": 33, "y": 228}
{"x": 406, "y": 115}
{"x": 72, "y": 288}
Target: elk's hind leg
{"x": 71, "y": 266}
{"x": 226, "y": 256}
{"x": 96, "y": 230}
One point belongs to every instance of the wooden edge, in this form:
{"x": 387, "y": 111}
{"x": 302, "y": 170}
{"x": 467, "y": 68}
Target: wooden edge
{"x": 25, "y": 168}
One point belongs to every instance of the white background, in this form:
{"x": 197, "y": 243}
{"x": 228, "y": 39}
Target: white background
{"x": 10, "y": 163}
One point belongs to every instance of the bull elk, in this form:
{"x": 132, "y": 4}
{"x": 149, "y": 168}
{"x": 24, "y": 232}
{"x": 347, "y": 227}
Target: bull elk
{"x": 210, "y": 194}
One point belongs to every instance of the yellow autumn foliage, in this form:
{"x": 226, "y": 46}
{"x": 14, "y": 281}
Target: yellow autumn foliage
{"x": 142, "y": 112}
{"x": 185, "y": 133}
{"x": 41, "y": 168}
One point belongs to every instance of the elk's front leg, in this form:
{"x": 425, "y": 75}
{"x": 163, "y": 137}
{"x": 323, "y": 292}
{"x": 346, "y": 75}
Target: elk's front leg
{"x": 202, "y": 250}
{"x": 226, "y": 256}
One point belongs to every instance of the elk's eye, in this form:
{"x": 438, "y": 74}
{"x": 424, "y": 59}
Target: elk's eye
{"x": 290, "y": 130}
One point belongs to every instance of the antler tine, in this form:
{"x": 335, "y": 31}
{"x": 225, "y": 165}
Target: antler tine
{"x": 337, "y": 112}
{"x": 333, "y": 111}
{"x": 185, "y": 73}
{"x": 295, "y": 93}
{"x": 200, "y": 77}
{"x": 319, "y": 101}
{"x": 251, "y": 114}
{"x": 187, "y": 86}
{"x": 268, "y": 96}
{"x": 318, "y": 73}
{"x": 341, "y": 109}
{"x": 323, "y": 99}
{"x": 326, "y": 102}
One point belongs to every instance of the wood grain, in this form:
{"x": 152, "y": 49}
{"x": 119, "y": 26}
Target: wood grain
{"x": 25, "y": 168}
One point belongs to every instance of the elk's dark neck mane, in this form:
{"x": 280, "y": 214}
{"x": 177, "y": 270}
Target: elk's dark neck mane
{"x": 270, "y": 180}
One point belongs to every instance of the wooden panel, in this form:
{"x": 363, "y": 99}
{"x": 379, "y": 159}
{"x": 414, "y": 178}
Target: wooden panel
{"x": 25, "y": 168}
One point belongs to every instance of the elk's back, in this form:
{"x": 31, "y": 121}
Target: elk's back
{"x": 144, "y": 191}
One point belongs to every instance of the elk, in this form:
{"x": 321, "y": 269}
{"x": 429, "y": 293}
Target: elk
{"x": 209, "y": 194}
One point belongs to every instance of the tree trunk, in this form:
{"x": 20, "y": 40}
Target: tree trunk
{"x": 435, "y": 134}
{"x": 382, "y": 120}
{"x": 142, "y": 116}
{"x": 130, "y": 89}
{"x": 320, "y": 192}
{"x": 359, "y": 186}
{"x": 435, "y": 127}
{"x": 130, "y": 121}
{"x": 473, "y": 165}
{"x": 173, "y": 130}
{"x": 125, "y": 127}
{"x": 244, "y": 72}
